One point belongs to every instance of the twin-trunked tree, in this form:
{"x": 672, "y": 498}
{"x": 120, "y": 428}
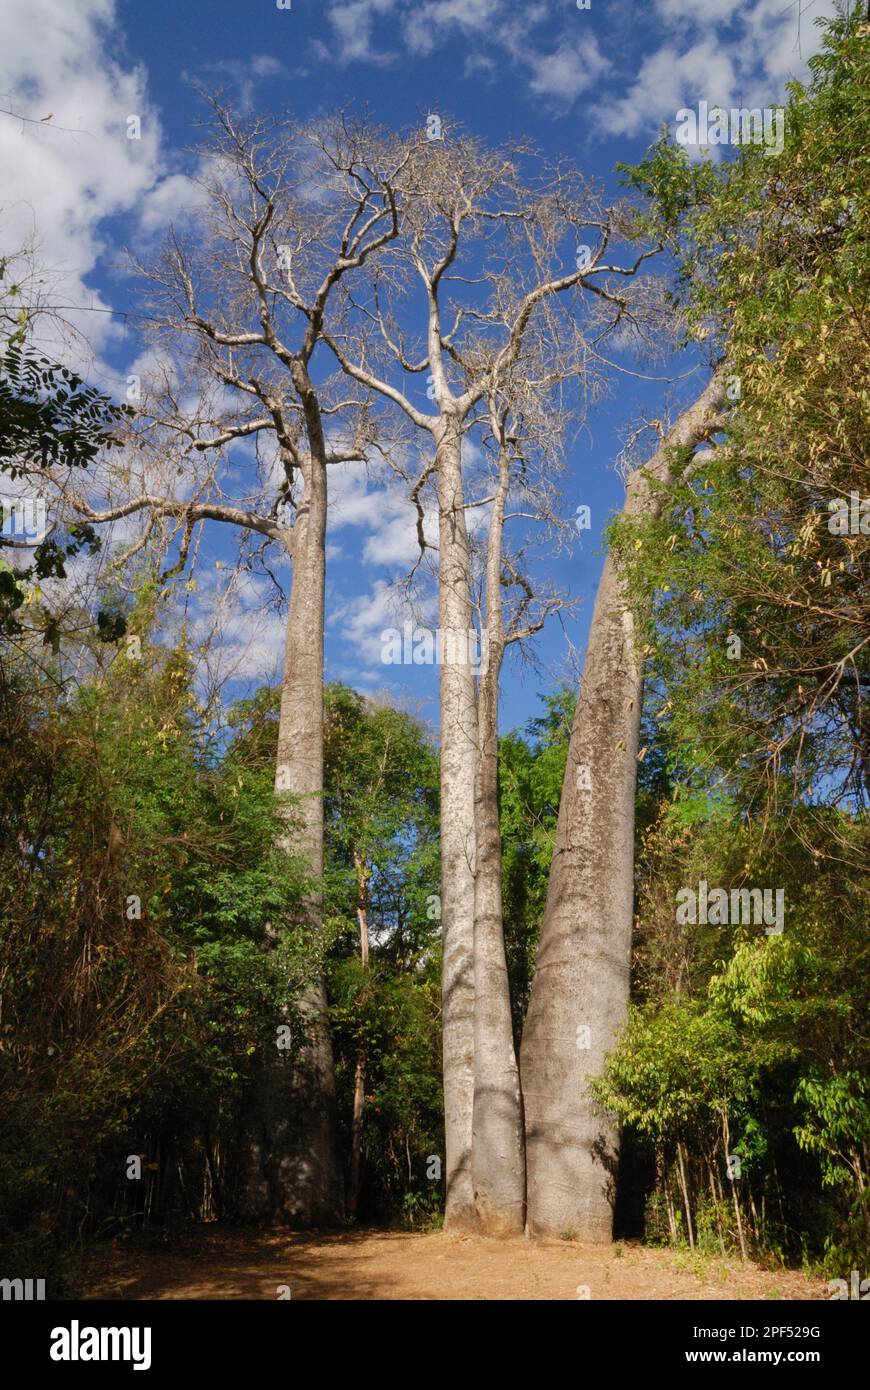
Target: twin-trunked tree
{"x": 325, "y": 266}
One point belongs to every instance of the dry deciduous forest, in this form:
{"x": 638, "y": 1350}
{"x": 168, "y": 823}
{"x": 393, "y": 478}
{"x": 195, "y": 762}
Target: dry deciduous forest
{"x": 543, "y": 977}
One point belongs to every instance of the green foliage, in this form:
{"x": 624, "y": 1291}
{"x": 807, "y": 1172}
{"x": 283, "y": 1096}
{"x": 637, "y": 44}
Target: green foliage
{"x": 773, "y": 258}
{"x": 381, "y": 808}
{"x": 381, "y": 803}
{"x": 381, "y": 850}
{"x": 49, "y": 417}
{"x": 531, "y": 769}
{"x": 754, "y": 1045}
{"x": 739, "y": 1043}
{"x": 139, "y": 878}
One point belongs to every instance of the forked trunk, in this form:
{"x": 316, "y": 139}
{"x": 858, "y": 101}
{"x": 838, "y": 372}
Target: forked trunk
{"x": 580, "y": 990}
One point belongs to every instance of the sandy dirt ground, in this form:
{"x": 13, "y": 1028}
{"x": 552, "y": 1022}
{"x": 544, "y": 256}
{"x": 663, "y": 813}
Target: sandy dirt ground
{"x": 230, "y": 1264}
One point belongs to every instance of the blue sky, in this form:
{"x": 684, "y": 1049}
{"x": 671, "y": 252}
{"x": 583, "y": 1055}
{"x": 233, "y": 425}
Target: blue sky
{"x": 594, "y": 85}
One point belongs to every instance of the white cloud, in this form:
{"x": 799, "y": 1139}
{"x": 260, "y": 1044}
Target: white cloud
{"x": 430, "y": 23}
{"x": 62, "y": 177}
{"x": 667, "y": 81}
{"x": 244, "y": 74}
{"x": 241, "y": 635}
{"x": 700, "y": 49}
{"x": 689, "y": 12}
{"x": 360, "y": 618}
{"x": 492, "y": 30}
{"x": 251, "y": 648}
{"x": 383, "y": 510}
{"x": 170, "y": 201}
{"x": 729, "y": 58}
{"x": 352, "y": 25}
{"x": 574, "y": 66}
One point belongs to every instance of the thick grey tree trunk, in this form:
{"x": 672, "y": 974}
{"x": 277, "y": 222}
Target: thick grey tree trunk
{"x": 498, "y": 1146}
{"x": 580, "y": 988}
{"x": 291, "y": 1171}
{"x": 458, "y": 760}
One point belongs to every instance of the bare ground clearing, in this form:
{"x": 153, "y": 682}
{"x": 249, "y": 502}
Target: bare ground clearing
{"x": 218, "y": 1263}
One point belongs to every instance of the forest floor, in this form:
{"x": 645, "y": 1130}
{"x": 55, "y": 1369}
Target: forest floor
{"x": 218, "y": 1263}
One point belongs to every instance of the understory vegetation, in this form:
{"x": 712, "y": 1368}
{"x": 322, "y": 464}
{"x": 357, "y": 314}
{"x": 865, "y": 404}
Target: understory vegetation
{"x": 157, "y": 935}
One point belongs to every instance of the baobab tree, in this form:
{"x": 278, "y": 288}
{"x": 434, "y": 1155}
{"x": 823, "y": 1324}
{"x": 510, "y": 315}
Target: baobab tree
{"x": 580, "y": 990}
{"x": 495, "y": 255}
{"x": 285, "y": 213}
{"x": 498, "y": 1141}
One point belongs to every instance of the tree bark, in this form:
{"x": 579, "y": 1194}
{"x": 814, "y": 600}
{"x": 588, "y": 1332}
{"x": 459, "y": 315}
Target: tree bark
{"x": 580, "y": 989}
{"x": 291, "y": 1169}
{"x": 498, "y": 1144}
{"x": 458, "y": 761}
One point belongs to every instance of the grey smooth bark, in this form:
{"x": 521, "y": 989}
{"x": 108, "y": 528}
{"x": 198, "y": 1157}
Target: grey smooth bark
{"x": 458, "y": 759}
{"x": 462, "y": 210}
{"x": 580, "y": 989}
{"x": 498, "y": 1145}
{"x": 291, "y": 1170}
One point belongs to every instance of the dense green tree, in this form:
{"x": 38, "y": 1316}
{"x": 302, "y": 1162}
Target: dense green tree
{"x": 382, "y": 937}
{"x": 138, "y": 877}
{"x": 382, "y": 880}
{"x": 751, "y": 1046}
{"x": 745, "y": 1047}
{"x": 759, "y": 561}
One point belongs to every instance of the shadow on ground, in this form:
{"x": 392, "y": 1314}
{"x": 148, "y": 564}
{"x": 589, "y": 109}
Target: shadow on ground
{"x": 216, "y": 1262}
